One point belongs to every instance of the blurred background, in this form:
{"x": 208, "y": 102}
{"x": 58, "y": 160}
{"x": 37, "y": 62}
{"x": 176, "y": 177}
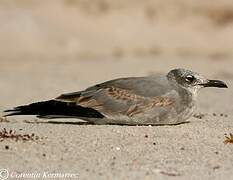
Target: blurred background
{"x": 56, "y": 46}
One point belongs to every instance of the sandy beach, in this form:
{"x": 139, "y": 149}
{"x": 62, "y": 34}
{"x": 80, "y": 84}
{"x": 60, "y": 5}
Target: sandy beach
{"x": 49, "y": 48}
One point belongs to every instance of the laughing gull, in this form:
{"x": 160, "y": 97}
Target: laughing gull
{"x": 155, "y": 100}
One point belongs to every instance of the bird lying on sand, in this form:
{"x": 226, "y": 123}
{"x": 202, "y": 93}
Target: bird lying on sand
{"x": 155, "y": 100}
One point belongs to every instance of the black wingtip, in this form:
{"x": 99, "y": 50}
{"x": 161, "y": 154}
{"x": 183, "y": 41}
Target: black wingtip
{"x": 53, "y": 107}
{"x": 11, "y": 112}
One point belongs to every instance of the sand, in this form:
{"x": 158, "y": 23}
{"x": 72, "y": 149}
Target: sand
{"x": 46, "y": 53}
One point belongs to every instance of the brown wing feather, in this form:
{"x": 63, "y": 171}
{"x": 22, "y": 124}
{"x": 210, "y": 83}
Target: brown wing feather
{"x": 113, "y": 101}
{"x": 123, "y": 94}
{"x": 90, "y": 102}
{"x": 152, "y": 103}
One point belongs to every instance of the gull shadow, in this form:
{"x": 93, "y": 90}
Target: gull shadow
{"x": 61, "y": 122}
{"x": 80, "y": 123}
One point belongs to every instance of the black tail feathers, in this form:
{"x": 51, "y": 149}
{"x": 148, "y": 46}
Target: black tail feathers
{"x": 53, "y": 107}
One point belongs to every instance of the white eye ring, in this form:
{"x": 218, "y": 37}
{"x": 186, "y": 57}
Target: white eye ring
{"x": 189, "y": 78}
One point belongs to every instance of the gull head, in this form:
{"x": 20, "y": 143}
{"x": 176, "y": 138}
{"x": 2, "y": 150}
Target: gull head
{"x": 192, "y": 81}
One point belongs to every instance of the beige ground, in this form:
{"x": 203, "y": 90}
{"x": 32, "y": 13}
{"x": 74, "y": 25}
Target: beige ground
{"x": 50, "y": 48}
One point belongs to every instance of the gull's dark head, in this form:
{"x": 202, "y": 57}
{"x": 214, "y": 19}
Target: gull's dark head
{"x": 192, "y": 80}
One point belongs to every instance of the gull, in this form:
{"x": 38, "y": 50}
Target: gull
{"x": 152, "y": 100}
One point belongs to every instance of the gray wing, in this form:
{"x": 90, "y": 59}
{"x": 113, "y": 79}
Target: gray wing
{"x": 123, "y": 97}
{"x": 145, "y": 86}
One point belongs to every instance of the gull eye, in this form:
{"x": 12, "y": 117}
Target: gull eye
{"x": 189, "y": 78}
